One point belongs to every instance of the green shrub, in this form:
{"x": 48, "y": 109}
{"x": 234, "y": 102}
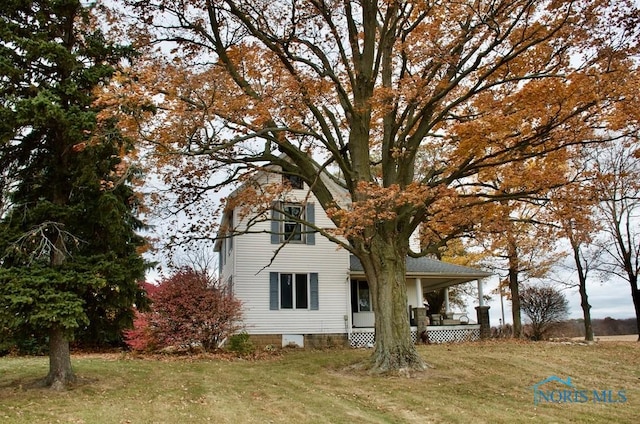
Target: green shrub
{"x": 240, "y": 344}
{"x": 23, "y": 344}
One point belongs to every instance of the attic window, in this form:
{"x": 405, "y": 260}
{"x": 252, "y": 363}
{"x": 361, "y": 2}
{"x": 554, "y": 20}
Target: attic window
{"x": 295, "y": 181}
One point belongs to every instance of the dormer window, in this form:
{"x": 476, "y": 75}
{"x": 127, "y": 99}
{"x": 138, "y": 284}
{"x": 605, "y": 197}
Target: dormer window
{"x": 295, "y": 181}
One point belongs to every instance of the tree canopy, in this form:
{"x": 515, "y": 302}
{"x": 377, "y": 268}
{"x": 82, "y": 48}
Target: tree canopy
{"x": 417, "y": 107}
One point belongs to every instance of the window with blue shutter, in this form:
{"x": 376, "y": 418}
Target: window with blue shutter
{"x": 310, "y": 216}
{"x": 313, "y": 292}
{"x": 302, "y": 291}
{"x": 285, "y": 226}
{"x": 274, "y": 303}
{"x": 276, "y": 218}
{"x": 293, "y": 291}
{"x": 291, "y": 226}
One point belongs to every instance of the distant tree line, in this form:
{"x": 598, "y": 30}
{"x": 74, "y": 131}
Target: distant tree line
{"x": 601, "y": 327}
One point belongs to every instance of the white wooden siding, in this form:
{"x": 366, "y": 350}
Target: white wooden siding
{"x": 252, "y": 254}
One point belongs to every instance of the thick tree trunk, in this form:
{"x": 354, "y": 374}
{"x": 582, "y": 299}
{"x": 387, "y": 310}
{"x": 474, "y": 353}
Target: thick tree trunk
{"x": 60, "y": 371}
{"x": 385, "y": 266}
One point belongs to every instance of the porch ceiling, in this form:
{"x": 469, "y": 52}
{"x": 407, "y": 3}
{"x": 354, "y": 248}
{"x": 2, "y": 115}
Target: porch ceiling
{"x": 434, "y": 274}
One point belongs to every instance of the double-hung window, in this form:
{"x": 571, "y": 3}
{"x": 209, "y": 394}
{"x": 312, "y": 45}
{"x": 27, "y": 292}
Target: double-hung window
{"x": 286, "y": 225}
{"x": 293, "y": 291}
{"x": 291, "y": 227}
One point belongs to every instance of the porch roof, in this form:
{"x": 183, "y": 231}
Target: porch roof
{"x": 433, "y": 273}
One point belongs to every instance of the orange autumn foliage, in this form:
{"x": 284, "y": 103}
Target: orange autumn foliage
{"x": 427, "y": 113}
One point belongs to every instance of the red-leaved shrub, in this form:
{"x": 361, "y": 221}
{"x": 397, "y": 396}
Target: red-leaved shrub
{"x": 186, "y": 311}
{"x": 140, "y": 338}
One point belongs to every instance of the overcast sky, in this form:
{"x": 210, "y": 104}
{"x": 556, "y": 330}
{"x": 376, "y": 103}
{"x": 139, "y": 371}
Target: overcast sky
{"x": 609, "y": 299}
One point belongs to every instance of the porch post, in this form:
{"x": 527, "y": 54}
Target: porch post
{"x": 480, "y": 292}
{"x": 420, "y": 313}
{"x": 447, "y": 310}
{"x": 421, "y": 323}
{"x": 483, "y": 320}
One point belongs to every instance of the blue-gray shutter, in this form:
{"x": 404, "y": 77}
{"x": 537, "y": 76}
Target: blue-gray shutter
{"x": 276, "y": 217}
{"x": 311, "y": 219}
{"x": 273, "y": 291}
{"x": 313, "y": 292}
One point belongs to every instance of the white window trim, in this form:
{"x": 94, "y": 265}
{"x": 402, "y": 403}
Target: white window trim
{"x": 293, "y": 291}
{"x": 287, "y": 220}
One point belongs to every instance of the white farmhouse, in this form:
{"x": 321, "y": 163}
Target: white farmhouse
{"x": 298, "y": 287}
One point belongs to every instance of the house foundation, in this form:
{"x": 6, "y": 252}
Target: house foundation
{"x": 311, "y": 341}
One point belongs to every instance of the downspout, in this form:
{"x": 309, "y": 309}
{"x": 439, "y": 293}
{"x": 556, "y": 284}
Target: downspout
{"x": 348, "y": 327}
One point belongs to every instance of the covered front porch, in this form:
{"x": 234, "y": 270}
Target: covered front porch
{"x": 423, "y": 275}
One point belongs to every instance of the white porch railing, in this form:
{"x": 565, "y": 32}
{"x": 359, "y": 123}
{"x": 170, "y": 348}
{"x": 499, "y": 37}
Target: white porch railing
{"x": 365, "y": 337}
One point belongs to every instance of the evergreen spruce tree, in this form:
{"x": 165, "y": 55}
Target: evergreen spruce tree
{"x": 69, "y": 254}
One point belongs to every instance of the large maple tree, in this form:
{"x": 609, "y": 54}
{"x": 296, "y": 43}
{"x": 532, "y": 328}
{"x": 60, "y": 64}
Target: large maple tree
{"x": 415, "y": 104}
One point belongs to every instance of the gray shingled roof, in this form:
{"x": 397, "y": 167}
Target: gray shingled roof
{"x": 434, "y": 273}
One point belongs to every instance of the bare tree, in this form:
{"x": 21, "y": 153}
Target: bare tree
{"x": 572, "y": 212}
{"x": 201, "y": 259}
{"x": 544, "y": 306}
{"x": 585, "y": 259}
{"x": 618, "y": 184}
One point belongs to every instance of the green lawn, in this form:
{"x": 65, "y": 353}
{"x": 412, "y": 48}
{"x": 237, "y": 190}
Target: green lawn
{"x": 489, "y": 382}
